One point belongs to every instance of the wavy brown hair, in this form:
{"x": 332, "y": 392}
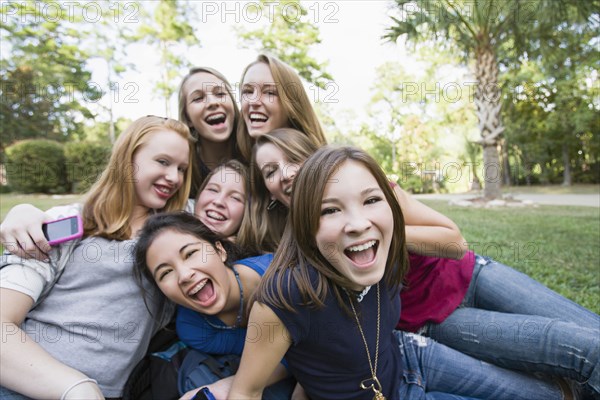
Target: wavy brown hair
{"x": 235, "y": 139}
{"x": 298, "y": 250}
{"x": 108, "y": 208}
{"x": 262, "y": 229}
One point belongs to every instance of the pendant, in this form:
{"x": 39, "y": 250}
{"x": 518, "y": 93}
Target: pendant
{"x": 378, "y": 395}
{"x": 373, "y": 384}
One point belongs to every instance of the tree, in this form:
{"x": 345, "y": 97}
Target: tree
{"x": 485, "y": 30}
{"x": 289, "y": 36}
{"x": 45, "y": 83}
{"x": 169, "y": 27}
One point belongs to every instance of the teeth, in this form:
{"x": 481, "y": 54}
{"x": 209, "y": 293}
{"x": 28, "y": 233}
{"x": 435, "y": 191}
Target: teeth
{"x": 215, "y": 117}
{"x": 288, "y": 191}
{"x": 362, "y": 246}
{"x": 163, "y": 189}
{"x": 215, "y": 215}
{"x": 198, "y": 287}
{"x": 258, "y": 117}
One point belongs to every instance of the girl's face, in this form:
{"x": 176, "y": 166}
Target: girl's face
{"x": 356, "y": 225}
{"x": 277, "y": 171}
{"x": 209, "y": 106}
{"x": 159, "y": 167}
{"x": 190, "y": 271}
{"x": 262, "y": 109}
{"x": 221, "y": 203}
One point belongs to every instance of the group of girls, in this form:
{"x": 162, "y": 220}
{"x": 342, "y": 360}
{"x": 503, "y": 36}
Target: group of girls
{"x": 330, "y": 296}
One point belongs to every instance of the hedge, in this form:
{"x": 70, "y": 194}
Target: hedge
{"x": 85, "y": 161}
{"x": 36, "y": 166}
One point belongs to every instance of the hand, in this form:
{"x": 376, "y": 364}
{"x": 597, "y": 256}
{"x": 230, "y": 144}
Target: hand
{"x": 21, "y": 232}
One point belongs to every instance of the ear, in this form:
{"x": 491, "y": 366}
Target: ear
{"x": 221, "y": 251}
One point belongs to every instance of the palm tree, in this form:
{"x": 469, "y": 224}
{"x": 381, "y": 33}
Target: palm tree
{"x": 485, "y": 30}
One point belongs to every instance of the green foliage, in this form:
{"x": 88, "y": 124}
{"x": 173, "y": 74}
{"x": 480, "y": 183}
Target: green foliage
{"x": 36, "y": 166}
{"x": 288, "y": 35}
{"x": 44, "y": 80}
{"x": 85, "y": 161}
{"x": 170, "y": 25}
{"x": 557, "y": 246}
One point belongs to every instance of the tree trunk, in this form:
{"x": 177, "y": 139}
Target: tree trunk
{"x": 487, "y": 101}
{"x": 567, "y": 165}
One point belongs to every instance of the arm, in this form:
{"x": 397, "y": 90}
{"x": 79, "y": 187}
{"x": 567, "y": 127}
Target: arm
{"x": 26, "y": 367}
{"x": 21, "y": 232}
{"x": 262, "y": 355}
{"x": 429, "y": 232}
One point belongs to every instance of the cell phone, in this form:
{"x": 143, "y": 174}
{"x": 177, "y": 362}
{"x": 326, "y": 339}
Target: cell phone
{"x": 63, "y": 230}
{"x": 203, "y": 394}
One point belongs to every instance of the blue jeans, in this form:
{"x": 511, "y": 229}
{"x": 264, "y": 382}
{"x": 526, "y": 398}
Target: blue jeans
{"x": 434, "y": 371}
{"x": 513, "y": 321}
{"x": 7, "y": 394}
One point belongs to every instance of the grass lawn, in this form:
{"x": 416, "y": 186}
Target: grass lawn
{"x": 557, "y": 245}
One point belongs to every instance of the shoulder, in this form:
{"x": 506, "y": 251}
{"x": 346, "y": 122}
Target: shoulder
{"x": 258, "y": 263}
{"x": 65, "y": 211}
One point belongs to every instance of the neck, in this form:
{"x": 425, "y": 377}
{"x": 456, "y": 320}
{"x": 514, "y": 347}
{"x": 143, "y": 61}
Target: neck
{"x": 138, "y": 218}
{"x": 213, "y": 153}
{"x": 230, "y": 313}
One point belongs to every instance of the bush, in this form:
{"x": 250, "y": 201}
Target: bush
{"x": 36, "y": 166}
{"x": 85, "y": 162}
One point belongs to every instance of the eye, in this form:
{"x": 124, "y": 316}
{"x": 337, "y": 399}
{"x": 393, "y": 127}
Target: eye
{"x": 182, "y": 169}
{"x": 238, "y": 198}
{"x": 189, "y": 254}
{"x": 212, "y": 189}
{"x": 373, "y": 200}
{"x": 197, "y": 98}
{"x": 269, "y": 173}
{"x": 164, "y": 162}
{"x": 164, "y": 273}
{"x": 329, "y": 211}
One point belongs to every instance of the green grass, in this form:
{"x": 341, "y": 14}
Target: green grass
{"x": 553, "y": 189}
{"x": 556, "y": 245}
{"x": 41, "y": 201}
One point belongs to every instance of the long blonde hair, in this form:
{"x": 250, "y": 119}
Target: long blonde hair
{"x": 262, "y": 228}
{"x": 108, "y": 208}
{"x": 294, "y": 100}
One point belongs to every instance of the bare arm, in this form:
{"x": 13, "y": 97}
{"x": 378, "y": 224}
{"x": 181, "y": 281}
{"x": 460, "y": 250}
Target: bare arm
{"x": 262, "y": 354}
{"x": 429, "y": 232}
{"x": 21, "y": 232}
{"x": 26, "y": 367}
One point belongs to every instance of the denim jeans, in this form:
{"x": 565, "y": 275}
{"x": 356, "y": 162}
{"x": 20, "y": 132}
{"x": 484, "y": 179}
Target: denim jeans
{"x": 513, "y": 321}
{"x": 434, "y": 371}
{"x": 7, "y": 394}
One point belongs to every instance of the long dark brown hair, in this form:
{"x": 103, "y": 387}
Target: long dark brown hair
{"x": 298, "y": 250}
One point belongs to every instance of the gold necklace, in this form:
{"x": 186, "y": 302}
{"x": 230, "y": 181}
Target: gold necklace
{"x": 372, "y": 382}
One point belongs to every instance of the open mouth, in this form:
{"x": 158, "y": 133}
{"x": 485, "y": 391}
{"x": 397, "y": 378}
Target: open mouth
{"x": 258, "y": 117}
{"x": 362, "y": 254}
{"x": 216, "y": 119}
{"x": 214, "y": 215}
{"x": 203, "y": 291}
{"x": 163, "y": 191}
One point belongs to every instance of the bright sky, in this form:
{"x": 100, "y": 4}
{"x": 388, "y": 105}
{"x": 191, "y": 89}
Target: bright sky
{"x": 350, "y": 32}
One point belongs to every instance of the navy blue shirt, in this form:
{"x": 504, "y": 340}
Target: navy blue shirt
{"x": 328, "y": 355}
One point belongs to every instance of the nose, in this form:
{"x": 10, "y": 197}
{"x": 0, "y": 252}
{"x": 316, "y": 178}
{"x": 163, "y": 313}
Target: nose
{"x": 172, "y": 175}
{"x": 186, "y": 275}
{"x": 289, "y": 173}
{"x": 212, "y": 100}
{"x": 356, "y": 223}
{"x": 253, "y": 97}
{"x": 219, "y": 200}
